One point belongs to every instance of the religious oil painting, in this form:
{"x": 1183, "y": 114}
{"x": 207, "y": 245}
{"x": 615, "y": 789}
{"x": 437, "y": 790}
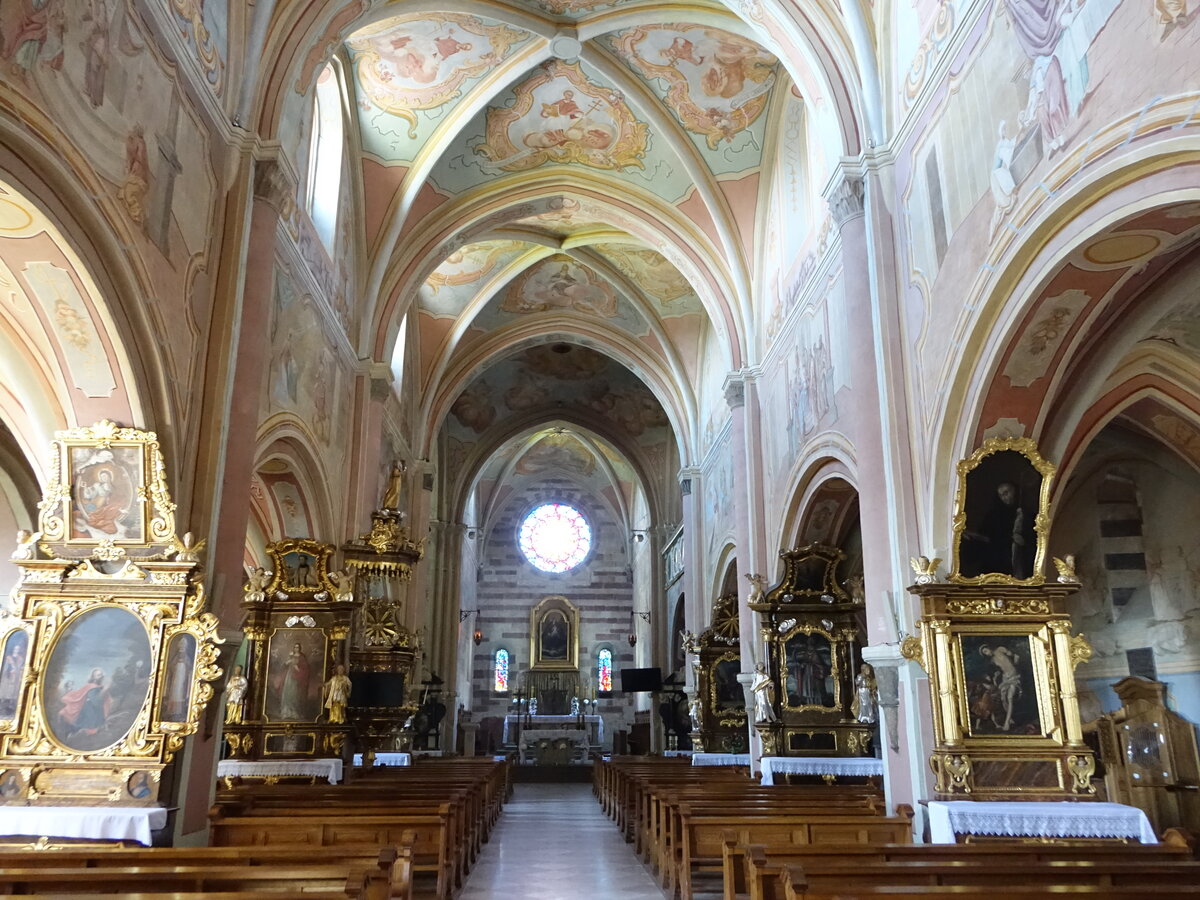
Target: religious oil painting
{"x": 554, "y": 633}
{"x": 1001, "y": 689}
{"x": 96, "y": 679}
{"x": 295, "y": 674}
{"x": 300, "y": 570}
{"x": 177, "y": 683}
{"x": 12, "y": 672}
{"x": 105, "y": 483}
{"x": 810, "y": 676}
{"x": 726, "y": 689}
{"x": 1000, "y": 499}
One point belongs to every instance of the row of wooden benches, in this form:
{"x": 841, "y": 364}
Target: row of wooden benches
{"x": 387, "y": 834}
{"x": 693, "y": 825}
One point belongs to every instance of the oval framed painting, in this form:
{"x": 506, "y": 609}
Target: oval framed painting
{"x": 97, "y": 678}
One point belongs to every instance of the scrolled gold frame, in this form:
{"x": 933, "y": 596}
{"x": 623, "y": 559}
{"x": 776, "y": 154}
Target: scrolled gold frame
{"x": 543, "y": 606}
{"x": 1026, "y": 447}
{"x": 835, "y": 669}
{"x": 158, "y": 510}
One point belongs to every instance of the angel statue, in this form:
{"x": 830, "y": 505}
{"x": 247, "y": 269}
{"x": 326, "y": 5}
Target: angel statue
{"x": 925, "y": 568}
{"x": 391, "y": 495}
{"x": 757, "y": 583}
{"x": 764, "y": 695}
{"x": 26, "y": 544}
{"x": 345, "y": 585}
{"x": 687, "y": 640}
{"x": 1066, "y": 569}
{"x": 256, "y": 585}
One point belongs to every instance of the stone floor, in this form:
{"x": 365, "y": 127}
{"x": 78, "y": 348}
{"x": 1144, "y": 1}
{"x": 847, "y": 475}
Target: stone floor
{"x": 554, "y": 843}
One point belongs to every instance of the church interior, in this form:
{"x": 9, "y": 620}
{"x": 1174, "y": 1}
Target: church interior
{"x": 692, "y": 448}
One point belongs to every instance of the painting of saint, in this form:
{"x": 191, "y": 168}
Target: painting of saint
{"x": 1001, "y": 695}
{"x": 555, "y": 633}
{"x": 139, "y": 786}
{"x": 97, "y": 679}
{"x": 104, "y": 493}
{"x": 295, "y": 675}
{"x": 1002, "y": 497}
{"x": 177, "y": 685}
{"x": 560, "y": 283}
{"x": 726, "y": 687}
{"x": 301, "y": 570}
{"x": 12, "y": 672}
{"x": 10, "y": 783}
{"x": 809, "y": 663}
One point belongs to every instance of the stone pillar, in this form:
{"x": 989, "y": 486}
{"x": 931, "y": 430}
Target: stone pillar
{"x": 235, "y": 375}
{"x": 878, "y": 422}
{"x": 696, "y": 604}
{"x": 741, "y": 393}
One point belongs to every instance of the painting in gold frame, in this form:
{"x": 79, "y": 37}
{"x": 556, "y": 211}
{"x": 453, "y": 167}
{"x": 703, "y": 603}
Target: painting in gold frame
{"x": 554, "y": 634}
{"x": 1002, "y": 514}
{"x": 1003, "y": 684}
{"x": 107, "y": 489}
{"x": 14, "y": 654}
{"x": 809, "y": 665}
{"x": 295, "y": 674}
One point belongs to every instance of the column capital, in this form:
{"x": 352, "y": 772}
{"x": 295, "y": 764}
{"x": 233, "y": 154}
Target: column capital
{"x": 846, "y": 197}
{"x": 275, "y": 183}
{"x": 687, "y": 476}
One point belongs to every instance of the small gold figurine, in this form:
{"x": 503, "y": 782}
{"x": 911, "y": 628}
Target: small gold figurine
{"x": 337, "y": 695}
{"x": 235, "y": 697}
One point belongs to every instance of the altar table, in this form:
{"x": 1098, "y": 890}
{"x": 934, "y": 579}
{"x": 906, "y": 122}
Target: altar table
{"x": 97, "y": 823}
{"x": 530, "y": 737}
{"x": 819, "y": 765}
{"x": 676, "y": 754}
{"x": 720, "y": 759}
{"x": 511, "y": 720}
{"x": 387, "y": 759}
{"x": 1064, "y": 819}
{"x": 329, "y": 769}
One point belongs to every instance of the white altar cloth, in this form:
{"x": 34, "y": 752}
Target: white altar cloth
{"x": 720, "y": 759}
{"x": 674, "y": 754}
{"x": 387, "y": 759}
{"x": 1065, "y": 818}
{"x": 98, "y": 823}
{"x": 330, "y": 769}
{"x": 530, "y": 736}
{"x": 819, "y": 765}
{"x": 554, "y": 722}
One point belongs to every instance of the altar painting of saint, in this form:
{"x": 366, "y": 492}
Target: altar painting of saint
{"x": 301, "y": 570}
{"x": 177, "y": 686}
{"x": 809, "y": 664}
{"x": 555, "y": 636}
{"x": 1001, "y": 693}
{"x": 726, "y": 687}
{"x": 104, "y": 493}
{"x": 97, "y": 679}
{"x": 1003, "y": 494}
{"x": 295, "y": 674}
{"x": 12, "y": 672}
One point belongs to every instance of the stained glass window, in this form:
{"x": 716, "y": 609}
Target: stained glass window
{"x": 604, "y": 671}
{"x": 500, "y": 672}
{"x": 555, "y": 537}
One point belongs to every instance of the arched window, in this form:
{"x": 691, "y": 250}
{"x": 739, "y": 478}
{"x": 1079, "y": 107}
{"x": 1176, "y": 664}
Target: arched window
{"x": 325, "y": 156}
{"x": 500, "y": 672}
{"x": 555, "y": 537}
{"x": 604, "y": 671}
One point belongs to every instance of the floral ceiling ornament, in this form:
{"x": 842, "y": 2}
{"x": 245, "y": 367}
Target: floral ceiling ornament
{"x": 718, "y": 83}
{"x": 421, "y": 61}
{"x": 561, "y": 117}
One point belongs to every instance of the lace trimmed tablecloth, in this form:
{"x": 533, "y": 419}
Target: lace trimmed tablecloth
{"x": 97, "y": 823}
{"x": 330, "y": 769}
{"x": 818, "y": 765}
{"x": 720, "y": 759}
{"x": 512, "y": 720}
{"x": 387, "y": 759}
{"x": 1065, "y": 818}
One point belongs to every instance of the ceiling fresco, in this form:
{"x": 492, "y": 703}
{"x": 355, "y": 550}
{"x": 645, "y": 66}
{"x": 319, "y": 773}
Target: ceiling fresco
{"x": 553, "y": 377}
{"x": 460, "y": 276}
{"x": 716, "y": 84}
{"x": 411, "y": 70}
{"x": 655, "y": 276}
{"x": 561, "y": 115}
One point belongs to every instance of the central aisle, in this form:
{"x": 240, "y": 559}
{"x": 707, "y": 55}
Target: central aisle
{"x": 554, "y": 843}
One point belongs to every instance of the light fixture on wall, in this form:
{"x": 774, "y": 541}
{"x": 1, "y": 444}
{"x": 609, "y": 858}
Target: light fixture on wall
{"x": 645, "y": 616}
{"x": 463, "y": 615}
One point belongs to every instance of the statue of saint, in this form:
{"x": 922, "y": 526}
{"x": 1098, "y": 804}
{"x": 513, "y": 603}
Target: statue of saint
{"x": 337, "y": 695}
{"x": 391, "y": 496}
{"x": 764, "y": 695}
{"x": 235, "y": 697}
{"x": 26, "y": 544}
{"x": 695, "y": 710}
{"x": 865, "y": 705}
